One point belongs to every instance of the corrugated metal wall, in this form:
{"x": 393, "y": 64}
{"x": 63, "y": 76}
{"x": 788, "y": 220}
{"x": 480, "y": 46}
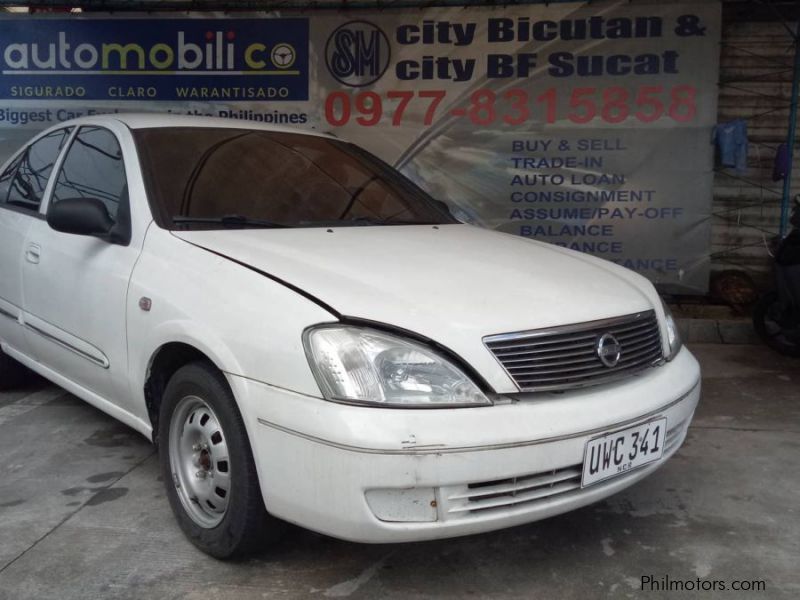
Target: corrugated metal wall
{"x": 755, "y": 84}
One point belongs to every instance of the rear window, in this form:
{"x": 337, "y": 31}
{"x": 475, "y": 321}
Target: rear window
{"x": 282, "y": 178}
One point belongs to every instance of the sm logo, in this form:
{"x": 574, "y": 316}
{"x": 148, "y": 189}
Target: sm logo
{"x": 357, "y": 53}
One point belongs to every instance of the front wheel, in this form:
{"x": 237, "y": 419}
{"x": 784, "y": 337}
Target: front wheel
{"x": 771, "y": 324}
{"x": 208, "y": 467}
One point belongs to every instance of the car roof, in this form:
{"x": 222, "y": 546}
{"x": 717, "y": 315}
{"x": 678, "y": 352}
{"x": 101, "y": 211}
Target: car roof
{"x": 158, "y": 120}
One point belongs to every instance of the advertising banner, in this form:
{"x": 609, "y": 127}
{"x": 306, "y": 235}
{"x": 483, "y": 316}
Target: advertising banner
{"x": 585, "y": 125}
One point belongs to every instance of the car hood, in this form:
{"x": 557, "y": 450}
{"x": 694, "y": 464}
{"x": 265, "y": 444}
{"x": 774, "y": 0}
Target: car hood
{"x": 453, "y": 284}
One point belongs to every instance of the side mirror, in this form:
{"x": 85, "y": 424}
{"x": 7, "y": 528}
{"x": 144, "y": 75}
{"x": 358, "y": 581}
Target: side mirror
{"x": 80, "y": 216}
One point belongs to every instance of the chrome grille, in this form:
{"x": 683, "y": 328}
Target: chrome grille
{"x": 559, "y": 358}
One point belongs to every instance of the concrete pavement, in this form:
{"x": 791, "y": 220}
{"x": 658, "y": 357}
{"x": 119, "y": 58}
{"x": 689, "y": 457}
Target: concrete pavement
{"x": 83, "y": 515}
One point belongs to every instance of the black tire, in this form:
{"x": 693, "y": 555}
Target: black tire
{"x": 246, "y": 526}
{"x": 12, "y": 373}
{"x": 768, "y": 329}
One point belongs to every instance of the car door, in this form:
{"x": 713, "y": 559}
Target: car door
{"x": 22, "y": 187}
{"x": 75, "y": 286}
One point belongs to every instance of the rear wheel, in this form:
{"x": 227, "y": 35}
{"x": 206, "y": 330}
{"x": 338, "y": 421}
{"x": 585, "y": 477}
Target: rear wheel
{"x": 12, "y": 373}
{"x": 775, "y": 327}
{"x": 208, "y": 466}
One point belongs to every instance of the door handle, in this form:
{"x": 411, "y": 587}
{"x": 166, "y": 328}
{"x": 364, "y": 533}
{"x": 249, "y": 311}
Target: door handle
{"x": 32, "y": 253}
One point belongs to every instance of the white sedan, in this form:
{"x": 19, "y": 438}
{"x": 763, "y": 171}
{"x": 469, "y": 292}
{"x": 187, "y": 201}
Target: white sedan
{"x": 309, "y": 337}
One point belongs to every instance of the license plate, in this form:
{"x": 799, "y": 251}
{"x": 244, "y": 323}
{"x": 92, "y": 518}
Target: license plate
{"x": 622, "y": 451}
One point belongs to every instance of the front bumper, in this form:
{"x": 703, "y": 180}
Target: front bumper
{"x": 382, "y": 475}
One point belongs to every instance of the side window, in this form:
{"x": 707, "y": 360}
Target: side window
{"x": 93, "y": 168}
{"x": 33, "y": 171}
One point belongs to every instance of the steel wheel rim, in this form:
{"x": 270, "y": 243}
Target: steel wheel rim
{"x": 199, "y": 461}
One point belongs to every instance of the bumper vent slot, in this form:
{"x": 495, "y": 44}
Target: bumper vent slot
{"x": 531, "y": 490}
{"x": 517, "y": 490}
{"x": 566, "y": 357}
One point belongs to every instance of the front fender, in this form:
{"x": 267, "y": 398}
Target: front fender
{"x": 197, "y": 335}
{"x": 244, "y": 322}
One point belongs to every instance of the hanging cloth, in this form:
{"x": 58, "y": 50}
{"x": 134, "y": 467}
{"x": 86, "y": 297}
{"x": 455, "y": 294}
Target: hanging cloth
{"x": 731, "y": 140}
{"x": 781, "y": 166}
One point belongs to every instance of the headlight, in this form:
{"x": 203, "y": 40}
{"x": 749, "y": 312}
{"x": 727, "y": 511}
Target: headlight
{"x": 673, "y": 335}
{"x": 366, "y": 366}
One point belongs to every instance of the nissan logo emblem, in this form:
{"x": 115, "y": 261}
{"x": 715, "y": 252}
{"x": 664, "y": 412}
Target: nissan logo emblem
{"x": 608, "y": 350}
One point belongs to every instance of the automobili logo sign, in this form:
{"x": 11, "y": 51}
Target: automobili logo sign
{"x": 146, "y": 59}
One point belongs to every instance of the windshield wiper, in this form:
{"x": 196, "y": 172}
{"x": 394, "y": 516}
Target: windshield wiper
{"x": 229, "y": 221}
{"x": 377, "y": 221}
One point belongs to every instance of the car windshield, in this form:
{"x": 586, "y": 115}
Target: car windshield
{"x": 214, "y": 178}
